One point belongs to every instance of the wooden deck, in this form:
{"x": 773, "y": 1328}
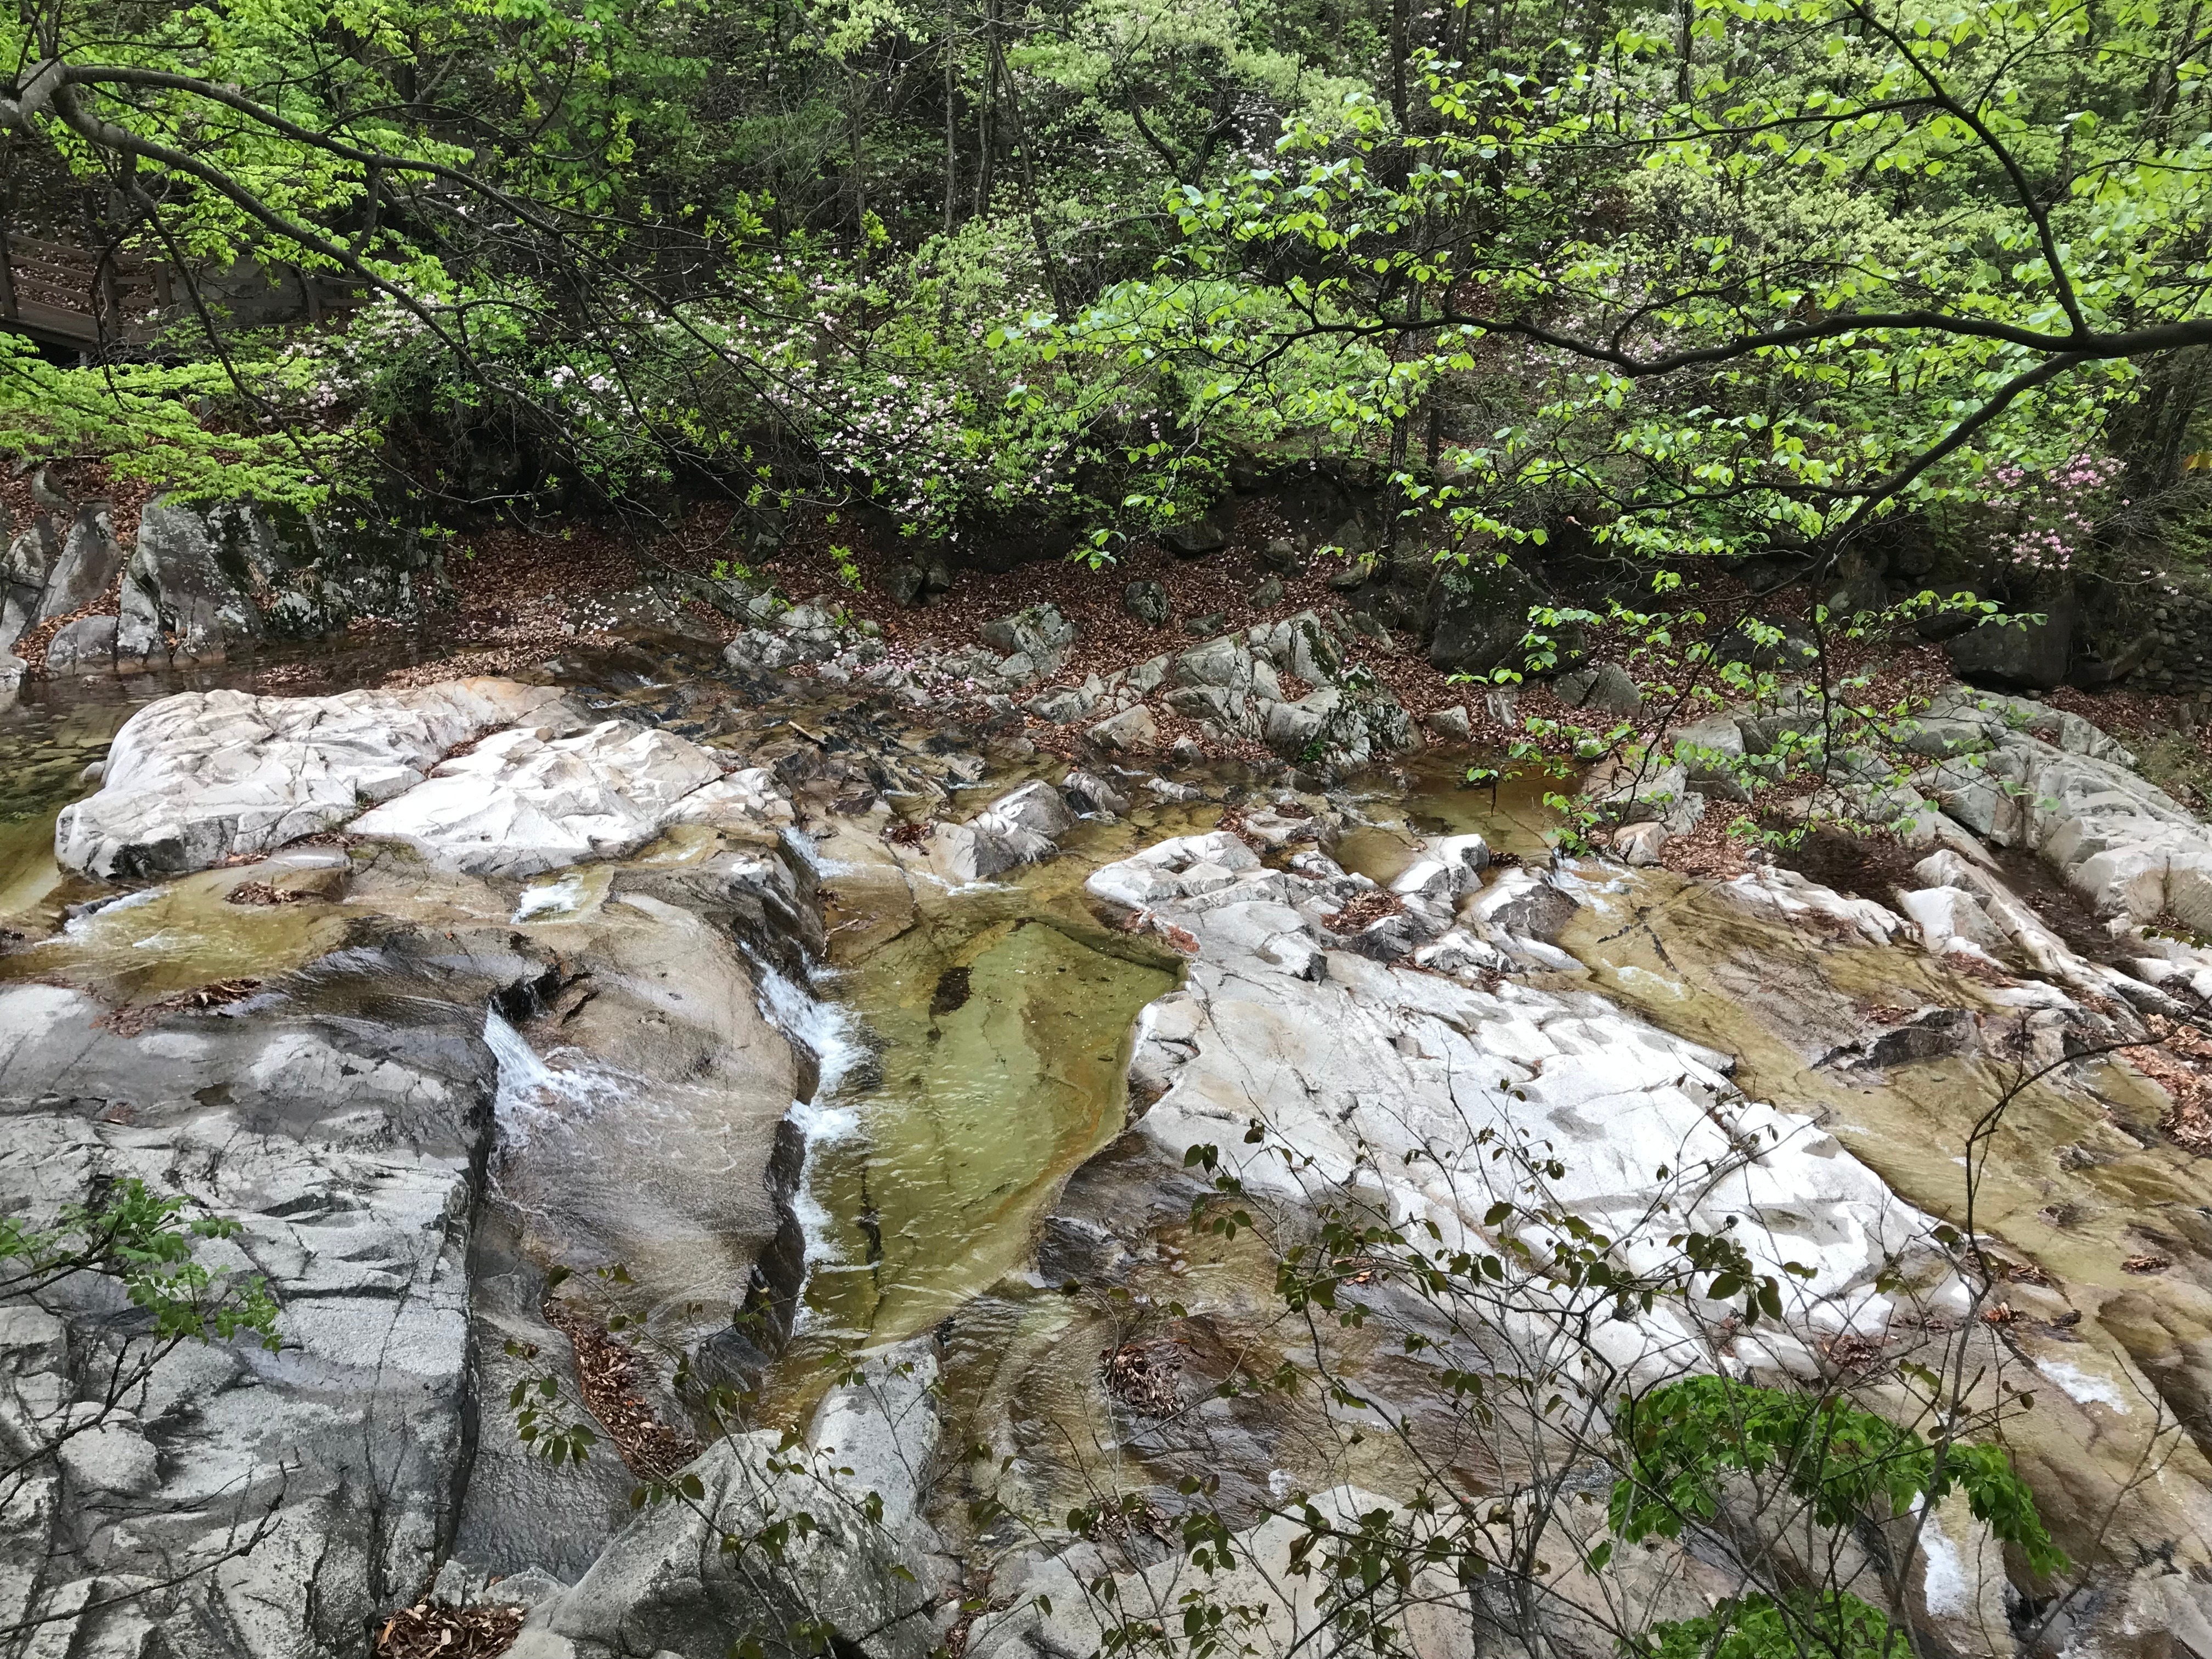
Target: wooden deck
{"x": 63, "y": 295}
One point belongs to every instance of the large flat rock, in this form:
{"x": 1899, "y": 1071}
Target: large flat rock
{"x": 205, "y": 775}
{"x": 1403, "y": 1085}
{"x": 485, "y": 776}
{"x": 529, "y": 799}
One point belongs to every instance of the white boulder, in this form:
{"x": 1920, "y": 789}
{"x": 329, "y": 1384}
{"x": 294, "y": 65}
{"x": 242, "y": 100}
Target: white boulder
{"x": 528, "y": 799}
{"x": 1402, "y": 1086}
{"x": 203, "y": 776}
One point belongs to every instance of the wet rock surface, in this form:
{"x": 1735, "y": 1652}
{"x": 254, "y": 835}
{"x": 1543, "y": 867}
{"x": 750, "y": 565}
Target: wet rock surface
{"x": 541, "y": 1003}
{"x": 200, "y": 777}
{"x": 379, "y": 1131}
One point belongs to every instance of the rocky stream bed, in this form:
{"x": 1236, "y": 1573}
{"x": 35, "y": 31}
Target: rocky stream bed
{"x": 661, "y": 1029}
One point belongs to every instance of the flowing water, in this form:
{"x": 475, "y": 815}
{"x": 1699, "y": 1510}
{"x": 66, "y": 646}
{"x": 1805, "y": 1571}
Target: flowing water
{"x": 975, "y": 1041}
{"x": 998, "y": 1019}
{"x": 46, "y": 740}
{"x": 986, "y": 1034}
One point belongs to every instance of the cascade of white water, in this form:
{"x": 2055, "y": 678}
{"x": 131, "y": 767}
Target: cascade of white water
{"x": 531, "y": 1091}
{"x": 827, "y": 1030}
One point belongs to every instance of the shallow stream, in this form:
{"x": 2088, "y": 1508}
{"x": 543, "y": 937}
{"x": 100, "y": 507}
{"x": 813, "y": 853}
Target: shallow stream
{"x": 975, "y": 1039}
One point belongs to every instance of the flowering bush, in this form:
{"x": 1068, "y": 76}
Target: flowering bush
{"x": 2048, "y": 519}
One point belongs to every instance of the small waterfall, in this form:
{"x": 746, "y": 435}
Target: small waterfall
{"x": 530, "y": 1090}
{"x": 80, "y": 926}
{"x": 825, "y": 1028}
{"x": 800, "y": 846}
{"x": 828, "y": 1031}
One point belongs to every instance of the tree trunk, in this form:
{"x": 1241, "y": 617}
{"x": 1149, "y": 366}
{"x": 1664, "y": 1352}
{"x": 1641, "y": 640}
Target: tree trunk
{"x": 1398, "y": 61}
{"x": 1462, "y": 21}
{"x": 1026, "y": 152}
{"x": 860, "y": 171}
{"x": 951, "y": 153}
{"x": 987, "y": 119}
{"x": 1684, "y": 13}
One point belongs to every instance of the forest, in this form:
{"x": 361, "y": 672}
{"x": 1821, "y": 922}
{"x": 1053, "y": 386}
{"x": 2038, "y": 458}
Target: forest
{"x": 1587, "y": 1081}
{"x": 1734, "y": 279}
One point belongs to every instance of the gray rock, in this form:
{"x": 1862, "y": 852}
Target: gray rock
{"x": 1047, "y": 1610}
{"x": 1640, "y": 843}
{"x": 2125, "y": 845}
{"x": 791, "y": 635}
{"x": 1018, "y": 827}
{"x": 1289, "y": 824}
{"x": 1064, "y": 706}
{"x": 880, "y": 1429}
{"x": 1036, "y": 807}
{"x": 532, "y": 798}
{"x": 1481, "y": 617}
{"x": 762, "y": 650}
{"x": 1212, "y": 706}
{"x": 1300, "y": 645}
{"x": 1194, "y": 538}
{"x": 141, "y": 642}
{"x": 643, "y": 612}
{"x": 1089, "y": 793}
{"x": 1641, "y": 794}
{"x": 1603, "y": 687}
{"x": 1290, "y": 728}
{"x": 664, "y": 1585}
{"x": 1449, "y": 724}
{"x": 1711, "y": 754}
{"x": 1149, "y": 675}
{"x": 1370, "y": 722}
{"x": 1039, "y": 633}
{"x": 1512, "y": 1063}
{"x": 1147, "y": 601}
{"x": 86, "y": 646}
{"x": 1133, "y": 728}
{"x": 31, "y": 559}
{"x": 1795, "y": 651}
{"x": 458, "y": 1584}
{"x": 1281, "y": 553}
{"x": 2029, "y": 654}
{"x": 1212, "y": 623}
{"x": 1926, "y": 1034}
{"x": 90, "y": 559}
{"x": 532, "y": 1587}
{"x": 344, "y": 1150}
{"x": 1268, "y": 594}
{"x": 907, "y": 585}
{"x": 1226, "y": 663}
{"x": 192, "y": 572}
{"x": 197, "y": 777}
{"x": 113, "y": 1458}
{"x": 667, "y": 1584}
{"x": 1863, "y": 571}
{"x": 1351, "y": 538}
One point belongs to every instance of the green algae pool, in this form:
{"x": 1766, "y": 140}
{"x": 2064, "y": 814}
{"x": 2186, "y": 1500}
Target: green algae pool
{"x": 994, "y": 1028}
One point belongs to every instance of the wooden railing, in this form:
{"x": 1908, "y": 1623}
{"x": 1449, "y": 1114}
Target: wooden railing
{"x": 69, "y": 295}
